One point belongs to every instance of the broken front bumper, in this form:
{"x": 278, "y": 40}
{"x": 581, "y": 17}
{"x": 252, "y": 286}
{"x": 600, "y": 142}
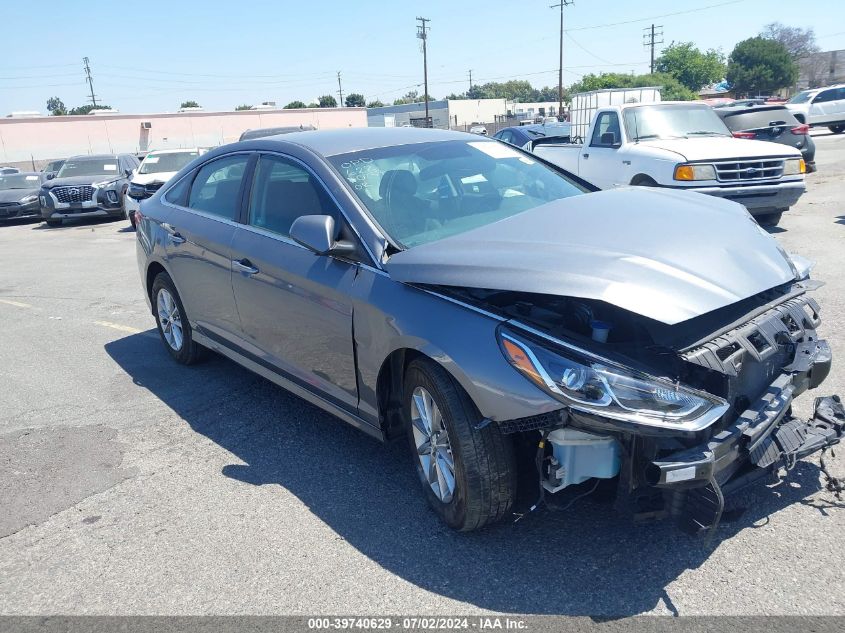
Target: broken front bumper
{"x": 763, "y": 439}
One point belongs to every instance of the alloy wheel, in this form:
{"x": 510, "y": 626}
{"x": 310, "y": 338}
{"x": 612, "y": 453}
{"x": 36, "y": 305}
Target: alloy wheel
{"x": 170, "y": 319}
{"x": 432, "y": 442}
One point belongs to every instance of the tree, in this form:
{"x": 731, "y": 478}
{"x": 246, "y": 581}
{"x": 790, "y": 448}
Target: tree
{"x": 86, "y": 109}
{"x": 328, "y": 101}
{"x": 56, "y": 106}
{"x": 670, "y": 88}
{"x": 798, "y": 42}
{"x": 313, "y": 105}
{"x": 375, "y": 104}
{"x": 243, "y": 107}
{"x": 760, "y": 66}
{"x": 690, "y": 66}
{"x": 355, "y": 100}
{"x": 410, "y": 97}
{"x": 190, "y": 104}
{"x": 298, "y": 104}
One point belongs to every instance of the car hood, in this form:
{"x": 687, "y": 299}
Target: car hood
{"x": 667, "y": 255}
{"x": 145, "y": 179}
{"x": 13, "y": 195}
{"x": 721, "y": 148}
{"x": 81, "y": 180}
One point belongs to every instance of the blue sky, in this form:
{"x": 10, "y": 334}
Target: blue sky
{"x": 149, "y": 56}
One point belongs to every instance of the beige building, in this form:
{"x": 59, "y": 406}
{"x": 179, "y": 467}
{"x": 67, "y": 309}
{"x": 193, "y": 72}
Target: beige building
{"x": 28, "y": 140}
{"x": 821, "y": 69}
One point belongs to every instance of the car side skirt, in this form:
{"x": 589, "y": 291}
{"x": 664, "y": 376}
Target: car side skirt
{"x": 286, "y": 383}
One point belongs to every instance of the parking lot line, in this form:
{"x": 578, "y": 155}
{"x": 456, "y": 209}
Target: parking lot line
{"x": 118, "y": 326}
{"x": 17, "y": 304}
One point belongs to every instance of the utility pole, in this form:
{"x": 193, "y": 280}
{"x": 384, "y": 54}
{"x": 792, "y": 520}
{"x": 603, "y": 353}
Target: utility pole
{"x": 562, "y": 4}
{"x": 422, "y": 33}
{"x": 470, "y": 79}
{"x": 339, "y": 90}
{"x": 90, "y": 80}
{"x": 650, "y": 40}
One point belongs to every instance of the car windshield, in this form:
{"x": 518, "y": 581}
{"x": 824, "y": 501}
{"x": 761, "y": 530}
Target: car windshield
{"x": 170, "y": 161}
{"x": 19, "y": 181}
{"x": 673, "y": 121}
{"x": 425, "y": 192}
{"x": 89, "y": 167}
{"x": 801, "y": 97}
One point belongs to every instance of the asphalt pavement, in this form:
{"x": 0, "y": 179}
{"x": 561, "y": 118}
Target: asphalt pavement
{"x": 132, "y": 485}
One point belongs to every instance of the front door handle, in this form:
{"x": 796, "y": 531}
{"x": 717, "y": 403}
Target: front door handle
{"x": 173, "y": 234}
{"x": 585, "y": 155}
{"x": 244, "y": 266}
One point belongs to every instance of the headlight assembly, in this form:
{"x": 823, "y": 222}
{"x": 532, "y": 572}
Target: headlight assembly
{"x": 28, "y": 199}
{"x": 594, "y": 385}
{"x": 794, "y": 166}
{"x": 105, "y": 183}
{"x": 695, "y": 172}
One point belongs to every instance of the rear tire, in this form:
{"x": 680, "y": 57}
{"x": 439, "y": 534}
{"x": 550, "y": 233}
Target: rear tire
{"x": 770, "y": 219}
{"x": 483, "y": 464}
{"x": 173, "y": 325}
{"x": 837, "y": 129}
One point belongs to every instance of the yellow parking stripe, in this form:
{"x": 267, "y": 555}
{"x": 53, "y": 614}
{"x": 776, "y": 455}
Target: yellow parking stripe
{"x": 17, "y": 304}
{"x": 118, "y": 326}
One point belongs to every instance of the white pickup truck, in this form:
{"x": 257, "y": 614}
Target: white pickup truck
{"x": 681, "y": 145}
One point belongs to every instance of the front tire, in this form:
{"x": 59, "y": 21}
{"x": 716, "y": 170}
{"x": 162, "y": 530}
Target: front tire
{"x": 837, "y": 129}
{"x": 53, "y": 223}
{"x": 468, "y": 474}
{"x": 173, "y": 325}
{"x": 770, "y": 219}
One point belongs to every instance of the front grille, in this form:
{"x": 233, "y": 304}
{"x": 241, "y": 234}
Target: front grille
{"x": 66, "y": 195}
{"x": 749, "y": 170}
{"x": 8, "y": 204}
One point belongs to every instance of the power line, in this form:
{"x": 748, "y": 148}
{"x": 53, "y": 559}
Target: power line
{"x": 650, "y": 36}
{"x": 562, "y": 4}
{"x": 90, "y": 80}
{"x": 654, "y": 17}
{"x": 422, "y": 33}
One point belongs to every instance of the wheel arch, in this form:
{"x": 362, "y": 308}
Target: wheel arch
{"x": 643, "y": 180}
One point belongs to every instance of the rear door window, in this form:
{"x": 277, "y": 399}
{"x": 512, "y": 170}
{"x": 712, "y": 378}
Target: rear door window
{"x": 217, "y": 187}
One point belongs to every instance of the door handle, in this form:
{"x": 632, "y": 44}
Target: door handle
{"x": 585, "y": 155}
{"x": 244, "y": 266}
{"x": 173, "y": 234}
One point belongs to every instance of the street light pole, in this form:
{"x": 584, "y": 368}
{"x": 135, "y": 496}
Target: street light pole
{"x": 562, "y": 4}
{"x": 422, "y": 33}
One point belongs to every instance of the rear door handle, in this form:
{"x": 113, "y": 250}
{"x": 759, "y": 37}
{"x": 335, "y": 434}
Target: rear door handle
{"x": 585, "y": 155}
{"x": 174, "y": 235}
{"x": 244, "y": 266}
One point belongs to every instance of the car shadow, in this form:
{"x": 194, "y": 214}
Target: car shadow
{"x": 840, "y": 219}
{"x": 772, "y": 230}
{"x": 586, "y": 561}
{"x": 75, "y": 223}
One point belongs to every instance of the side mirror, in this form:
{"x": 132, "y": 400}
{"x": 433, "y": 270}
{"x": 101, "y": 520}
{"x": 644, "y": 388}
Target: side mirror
{"x": 609, "y": 139}
{"x": 129, "y": 172}
{"x": 316, "y": 233}
{"x": 51, "y": 175}
{"x": 138, "y": 192}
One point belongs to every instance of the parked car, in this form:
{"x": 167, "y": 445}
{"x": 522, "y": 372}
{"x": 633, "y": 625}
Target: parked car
{"x": 476, "y": 300}
{"x": 19, "y": 195}
{"x": 273, "y": 131}
{"x": 156, "y": 169}
{"x": 820, "y": 107}
{"x": 478, "y": 129}
{"x": 8, "y": 170}
{"x": 52, "y": 168}
{"x": 523, "y": 135}
{"x": 772, "y": 123}
{"x": 87, "y": 186}
{"x": 682, "y": 146}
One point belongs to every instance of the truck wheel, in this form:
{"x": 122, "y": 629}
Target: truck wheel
{"x": 643, "y": 181}
{"x": 468, "y": 474}
{"x": 837, "y": 129}
{"x": 769, "y": 219}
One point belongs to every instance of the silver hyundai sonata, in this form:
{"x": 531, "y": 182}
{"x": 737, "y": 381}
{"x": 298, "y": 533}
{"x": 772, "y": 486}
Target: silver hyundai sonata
{"x": 492, "y": 309}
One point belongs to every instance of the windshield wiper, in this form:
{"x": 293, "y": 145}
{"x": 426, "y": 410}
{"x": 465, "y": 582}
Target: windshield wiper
{"x": 705, "y": 132}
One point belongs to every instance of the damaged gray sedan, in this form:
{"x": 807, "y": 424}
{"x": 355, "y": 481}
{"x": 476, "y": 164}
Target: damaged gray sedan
{"x": 496, "y": 312}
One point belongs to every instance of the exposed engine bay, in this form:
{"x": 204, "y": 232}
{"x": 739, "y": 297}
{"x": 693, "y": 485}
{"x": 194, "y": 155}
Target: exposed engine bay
{"x": 754, "y": 356}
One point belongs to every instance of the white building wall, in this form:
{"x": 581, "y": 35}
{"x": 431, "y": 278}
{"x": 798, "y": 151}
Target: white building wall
{"x": 468, "y": 111}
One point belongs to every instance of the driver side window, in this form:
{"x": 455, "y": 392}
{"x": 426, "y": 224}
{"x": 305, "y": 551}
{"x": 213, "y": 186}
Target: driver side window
{"x": 607, "y": 124}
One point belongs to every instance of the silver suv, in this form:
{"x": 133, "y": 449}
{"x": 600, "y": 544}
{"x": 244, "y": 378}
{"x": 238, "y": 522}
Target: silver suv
{"x": 820, "y": 107}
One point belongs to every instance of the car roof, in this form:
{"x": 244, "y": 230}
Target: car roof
{"x": 347, "y": 140}
{"x": 25, "y": 173}
{"x": 94, "y": 156}
{"x": 173, "y": 150}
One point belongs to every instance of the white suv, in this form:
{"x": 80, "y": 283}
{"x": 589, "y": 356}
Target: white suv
{"x": 157, "y": 168}
{"x": 820, "y": 106}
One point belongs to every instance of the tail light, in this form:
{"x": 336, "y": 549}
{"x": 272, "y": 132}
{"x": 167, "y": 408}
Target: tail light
{"x": 744, "y": 134}
{"x": 801, "y": 130}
